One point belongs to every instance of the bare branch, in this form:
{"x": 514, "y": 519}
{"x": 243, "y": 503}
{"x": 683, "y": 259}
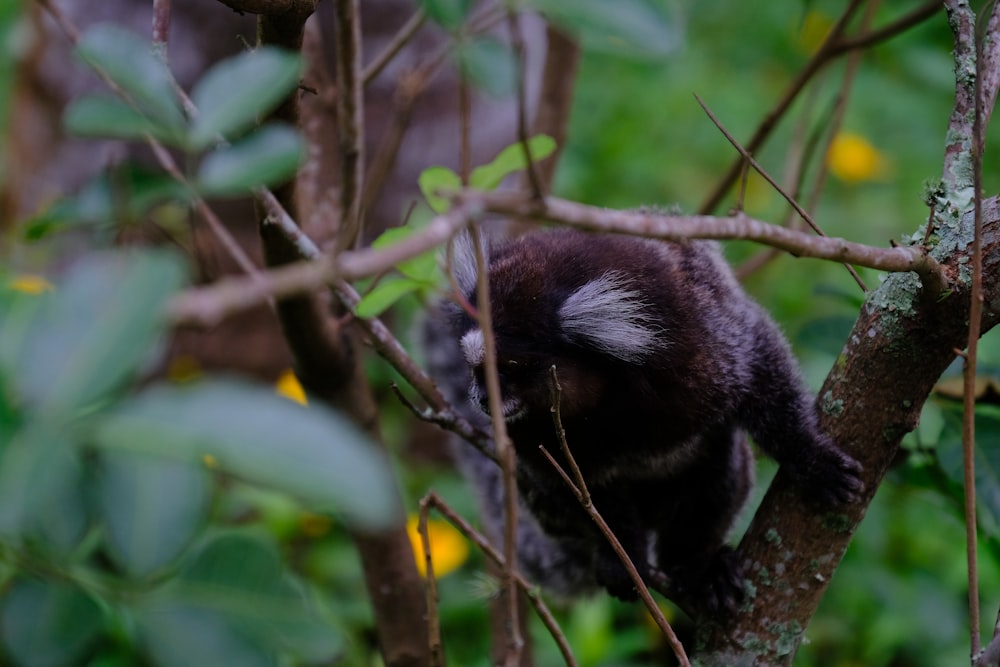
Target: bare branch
{"x": 530, "y": 591}
{"x": 350, "y": 119}
{"x": 886, "y": 32}
{"x": 207, "y": 305}
{"x": 517, "y": 43}
{"x": 405, "y": 34}
{"x": 821, "y": 57}
{"x": 161, "y": 27}
{"x": 562, "y": 59}
{"x": 505, "y": 452}
{"x": 163, "y": 156}
{"x": 675, "y": 228}
{"x": 791, "y": 200}
{"x": 963, "y": 22}
{"x": 580, "y": 485}
{"x": 957, "y": 172}
{"x": 433, "y": 617}
{"x": 989, "y": 66}
{"x": 640, "y": 585}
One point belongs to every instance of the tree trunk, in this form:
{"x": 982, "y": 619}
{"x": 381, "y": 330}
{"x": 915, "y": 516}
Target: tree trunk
{"x": 902, "y": 341}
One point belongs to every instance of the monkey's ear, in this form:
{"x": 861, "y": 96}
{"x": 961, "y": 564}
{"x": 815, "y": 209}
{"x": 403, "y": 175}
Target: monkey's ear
{"x": 609, "y": 315}
{"x": 463, "y": 260}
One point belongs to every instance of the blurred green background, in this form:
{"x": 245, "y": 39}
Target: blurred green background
{"x": 638, "y": 137}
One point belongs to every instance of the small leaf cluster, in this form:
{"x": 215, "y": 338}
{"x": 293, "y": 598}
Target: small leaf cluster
{"x": 421, "y": 274}
{"x": 108, "y": 494}
{"x": 230, "y": 155}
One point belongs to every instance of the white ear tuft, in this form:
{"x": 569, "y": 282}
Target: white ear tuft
{"x": 463, "y": 261}
{"x": 473, "y": 347}
{"x": 612, "y": 317}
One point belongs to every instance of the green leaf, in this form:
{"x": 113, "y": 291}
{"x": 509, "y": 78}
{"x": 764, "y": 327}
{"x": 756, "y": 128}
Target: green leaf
{"x": 93, "y": 331}
{"x": 108, "y": 116}
{"x": 236, "y": 92}
{"x": 129, "y": 62}
{"x": 386, "y": 293}
{"x": 48, "y": 623}
{"x": 447, "y": 13}
{"x": 987, "y": 460}
{"x": 267, "y": 157}
{"x": 489, "y": 64}
{"x": 180, "y": 635}
{"x": 422, "y": 268}
{"x": 42, "y": 486}
{"x": 311, "y": 453}
{"x": 236, "y": 585}
{"x": 435, "y": 179}
{"x": 152, "y": 507}
{"x": 626, "y": 27}
{"x": 110, "y": 200}
{"x": 510, "y": 160}
{"x": 826, "y": 334}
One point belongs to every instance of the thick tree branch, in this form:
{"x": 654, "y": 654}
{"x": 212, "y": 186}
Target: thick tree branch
{"x": 206, "y": 306}
{"x": 325, "y": 350}
{"x": 902, "y": 341}
{"x": 675, "y": 228}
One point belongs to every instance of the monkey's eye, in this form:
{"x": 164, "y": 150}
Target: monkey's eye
{"x": 508, "y": 365}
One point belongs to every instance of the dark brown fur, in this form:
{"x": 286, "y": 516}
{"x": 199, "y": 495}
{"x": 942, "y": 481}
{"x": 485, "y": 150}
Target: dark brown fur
{"x": 654, "y": 404}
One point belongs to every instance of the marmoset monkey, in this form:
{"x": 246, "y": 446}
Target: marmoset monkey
{"x": 664, "y": 363}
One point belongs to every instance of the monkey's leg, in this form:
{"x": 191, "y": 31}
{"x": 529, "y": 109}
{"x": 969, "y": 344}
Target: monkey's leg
{"x": 780, "y": 413}
{"x": 690, "y": 540}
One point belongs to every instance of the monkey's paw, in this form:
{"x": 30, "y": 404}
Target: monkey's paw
{"x": 711, "y": 586}
{"x": 828, "y": 475}
{"x": 612, "y": 575}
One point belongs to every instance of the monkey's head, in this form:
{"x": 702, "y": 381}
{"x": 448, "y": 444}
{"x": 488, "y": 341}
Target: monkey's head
{"x": 553, "y": 306}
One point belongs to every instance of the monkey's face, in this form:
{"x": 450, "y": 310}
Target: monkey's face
{"x": 526, "y": 381}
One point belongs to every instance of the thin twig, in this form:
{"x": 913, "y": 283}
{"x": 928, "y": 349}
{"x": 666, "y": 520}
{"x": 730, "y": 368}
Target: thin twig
{"x": 969, "y": 363}
{"x": 163, "y": 155}
{"x": 579, "y": 488}
{"x": 405, "y": 34}
{"x": 161, "y": 27}
{"x": 619, "y": 550}
{"x": 555, "y": 99}
{"x": 505, "y": 452}
{"x": 989, "y": 66}
{"x": 774, "y": 184}
{"x": 517, "y": 43}
{"x": 390, "y": 349}
{"x": 350, "y": 119}
{"x": 387, "y": 346}
{"x": 483, "y": 544}
{"x": 763, "y": 131}
{"x": 556, "y": 393}
{"x": 888, "y": 31}
{"x": 411, "y": 86}
{"x": 433, "y": 616}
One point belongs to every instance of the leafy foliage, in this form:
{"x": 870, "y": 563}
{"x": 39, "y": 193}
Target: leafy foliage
{"x": 108, "y": 496}
{"x": 420, "y": 274}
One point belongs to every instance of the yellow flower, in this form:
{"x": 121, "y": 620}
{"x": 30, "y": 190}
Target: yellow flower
{"x": 314, "y": 525}
{"x": 183, "y": 368}
{"x": 30, "y": 284}
{"x": 288, "y": 386}
{"x": 210, "y": 461}
{"x": 852, "y": 159}
{"x": 448, "y": 547}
